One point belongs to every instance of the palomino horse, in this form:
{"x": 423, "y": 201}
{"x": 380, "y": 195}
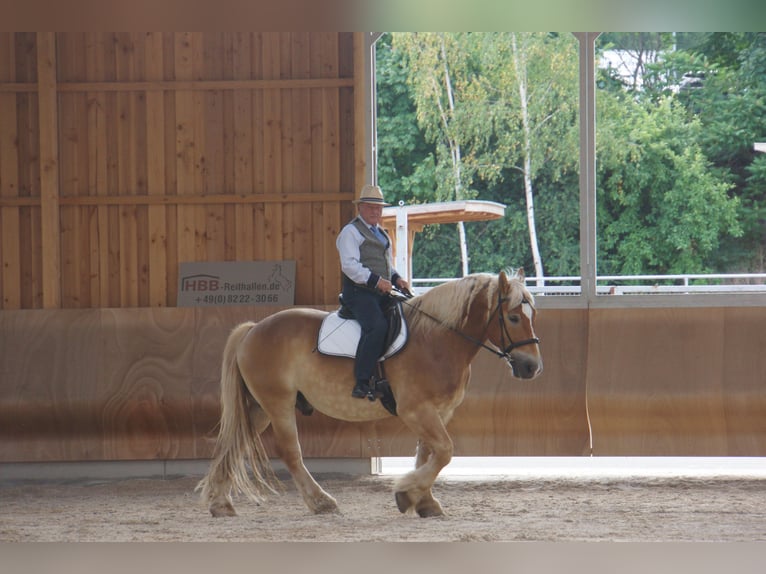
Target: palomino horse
{"x": 271, "y": 367}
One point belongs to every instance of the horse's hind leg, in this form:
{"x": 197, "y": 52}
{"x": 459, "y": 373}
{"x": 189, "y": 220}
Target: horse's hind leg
{"x": 286, "y": 438}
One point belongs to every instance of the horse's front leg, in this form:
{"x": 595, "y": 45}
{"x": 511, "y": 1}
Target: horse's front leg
{"x": 435, "y": 448}
{"x": 428, "y": 505}
{"x": 286, "y": 438}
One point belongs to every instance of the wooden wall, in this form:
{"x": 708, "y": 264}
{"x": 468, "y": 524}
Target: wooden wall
{"x": 123, "y": 154}
{"x": 142, "y": 384}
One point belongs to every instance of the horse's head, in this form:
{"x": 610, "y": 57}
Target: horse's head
{"x": 514, "y": 331}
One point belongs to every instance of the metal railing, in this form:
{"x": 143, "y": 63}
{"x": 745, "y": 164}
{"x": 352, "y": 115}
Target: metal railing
{"x": 652, "y": 284}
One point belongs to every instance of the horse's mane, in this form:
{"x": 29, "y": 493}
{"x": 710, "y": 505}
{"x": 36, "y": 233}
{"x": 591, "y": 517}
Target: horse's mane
{"x": 450, "y": 302}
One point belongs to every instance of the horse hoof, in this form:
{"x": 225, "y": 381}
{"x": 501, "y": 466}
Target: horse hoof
{"x": 430, "y": 512}
{"x": 403, "y": 501}
{"x": 220, "y": 510}
{"x": 329, "y": 506}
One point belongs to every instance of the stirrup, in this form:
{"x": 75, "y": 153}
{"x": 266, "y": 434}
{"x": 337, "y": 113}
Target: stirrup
{"x": 376, "y": 388}
{"x": 361, "y": 390}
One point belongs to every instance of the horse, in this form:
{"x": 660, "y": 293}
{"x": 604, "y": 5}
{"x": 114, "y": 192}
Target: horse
{"x": 271, "y": 368}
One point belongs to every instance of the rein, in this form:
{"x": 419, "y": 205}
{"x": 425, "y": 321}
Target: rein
{"x": 505, "y": 354}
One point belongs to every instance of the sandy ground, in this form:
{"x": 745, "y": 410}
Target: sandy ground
{"x": 492, "y": 509}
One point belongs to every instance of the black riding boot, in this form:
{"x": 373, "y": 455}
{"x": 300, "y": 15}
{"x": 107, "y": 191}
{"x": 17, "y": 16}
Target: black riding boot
{"x": 366, "y": 389}
{"x": 361, "y": 390}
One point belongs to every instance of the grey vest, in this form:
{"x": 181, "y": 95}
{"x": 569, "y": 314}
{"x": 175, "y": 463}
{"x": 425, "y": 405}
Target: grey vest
{"x": 372, "y": 253}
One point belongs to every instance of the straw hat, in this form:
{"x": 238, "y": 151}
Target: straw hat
{"x": 371, "y": 194}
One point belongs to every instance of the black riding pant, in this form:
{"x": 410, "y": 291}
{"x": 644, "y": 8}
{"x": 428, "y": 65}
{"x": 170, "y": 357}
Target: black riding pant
{"x": 367, "y": 306}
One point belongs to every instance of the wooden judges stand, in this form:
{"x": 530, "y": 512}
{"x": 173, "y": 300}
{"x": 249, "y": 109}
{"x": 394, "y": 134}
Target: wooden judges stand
{"x": 402, "y": 222}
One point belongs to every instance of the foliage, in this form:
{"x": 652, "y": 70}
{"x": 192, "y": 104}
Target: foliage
{"x": 680, "y": 189}
{"x": 660, "y": 208}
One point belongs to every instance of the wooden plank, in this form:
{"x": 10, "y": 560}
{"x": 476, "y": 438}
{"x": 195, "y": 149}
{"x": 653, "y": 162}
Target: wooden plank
{"x": 319, "y": 210}
{"x": 185, "y": 142}
{"x": 8, "y": 61}
{"x": 28, "y": 134}
{"x": 49, "y": 164}
{"x": 360, "y": 113}
{"x": 297, "y": 197}
{"x": 74, "y": 180}
{"x": 17, "y": 87}
{"x": 10, "y": 240}
{"x": 127, "y": 213}
{"x": 171, "y": 215}
{"x": 126, "y": 171}
{"x": 199, "y": 118}
{"x": 188, "y": 85}
{"x": 30, "y": 266}
{"x": 242, "y": 148}
{"x": 331, "y": 179}
{"x": 10, "y": 258}
{"x": 155, "y": 173}
{"x": 303, "y": 239}
{"x": 214, "y": 224}
{"x": 287, "y": 163}
{"x": 28, "y": 138}
{"x": 273, "y": 244}
{"x": 98, "y": 182}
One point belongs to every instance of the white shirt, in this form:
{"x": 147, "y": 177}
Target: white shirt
{"x": 348, "y": 241}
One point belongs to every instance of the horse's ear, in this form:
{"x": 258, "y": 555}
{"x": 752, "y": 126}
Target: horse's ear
{"x": 520, "y": 274}
{"x": 503, "y": 281}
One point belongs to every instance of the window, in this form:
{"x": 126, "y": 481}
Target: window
{"x": 648, "y": 184}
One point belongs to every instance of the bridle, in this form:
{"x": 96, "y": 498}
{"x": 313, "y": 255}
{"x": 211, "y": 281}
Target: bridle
{"x": 504, "y": 330}
{"x": 506, "y": 349}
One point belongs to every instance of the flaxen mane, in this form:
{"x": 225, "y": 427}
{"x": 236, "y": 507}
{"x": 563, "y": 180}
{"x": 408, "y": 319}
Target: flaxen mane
{"x": 449, "y": 302}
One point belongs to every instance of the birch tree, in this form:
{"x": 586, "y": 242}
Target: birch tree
{"x": 495, "y": 102}
{"x": 436, "y": 62}
{"x": 529, "y": 85}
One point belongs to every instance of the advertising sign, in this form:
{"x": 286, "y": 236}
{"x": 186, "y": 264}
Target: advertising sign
{"x": 204, "y": 284}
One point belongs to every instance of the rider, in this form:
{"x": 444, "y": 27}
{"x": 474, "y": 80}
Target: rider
{"x": 368, "y": 277}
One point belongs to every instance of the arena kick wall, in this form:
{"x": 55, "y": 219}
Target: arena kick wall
{"x": 142, "y": 384}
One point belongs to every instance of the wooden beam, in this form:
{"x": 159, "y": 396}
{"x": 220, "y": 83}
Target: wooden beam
{"x": 222, "y": 199}
{"x": 185, "y": 85}
{"x": 49, "y": 167}
{"x": 360, "y": 107}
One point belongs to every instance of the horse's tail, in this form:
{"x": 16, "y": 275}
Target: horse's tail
{"x": 239, "y": 441}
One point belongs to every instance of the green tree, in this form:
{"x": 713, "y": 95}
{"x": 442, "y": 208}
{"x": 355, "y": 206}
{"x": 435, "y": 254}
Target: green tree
{"x": 494, "y": 116}
{"x": 529, "y": 86}
{"x": 406, "y": 164}
{"x": 439, "y": 71}
{"x": 661, "y": 209}
{"x": 731, "y": 108}
{"x": 494, "y": 104}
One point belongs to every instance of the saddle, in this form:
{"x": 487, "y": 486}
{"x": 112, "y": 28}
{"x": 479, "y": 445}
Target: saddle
{"x": 339, "y": 333}
{"x": 392, "y": 312}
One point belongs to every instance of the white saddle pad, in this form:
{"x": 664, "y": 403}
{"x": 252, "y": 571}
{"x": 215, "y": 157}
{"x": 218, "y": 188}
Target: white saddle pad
{"x": 339, "y": 337}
